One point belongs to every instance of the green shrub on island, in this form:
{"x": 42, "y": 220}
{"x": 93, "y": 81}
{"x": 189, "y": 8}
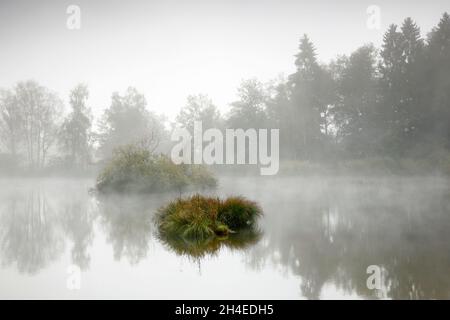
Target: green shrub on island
{"x": 137, "y": 170}
{"x": 200, "y": 218}
{"x": 238, "y": 212}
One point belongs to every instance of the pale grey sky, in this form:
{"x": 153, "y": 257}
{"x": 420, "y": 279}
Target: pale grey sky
{"x": 170, "y": 49}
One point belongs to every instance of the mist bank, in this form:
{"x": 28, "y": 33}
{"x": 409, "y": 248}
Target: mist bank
{"x": 375, "y": 166}
{"x": 376, "y": 110}
{"x": 315, "y": 232}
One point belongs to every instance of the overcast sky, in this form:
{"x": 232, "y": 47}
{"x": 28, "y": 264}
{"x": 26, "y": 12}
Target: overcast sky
{"x": 170, "y": 49}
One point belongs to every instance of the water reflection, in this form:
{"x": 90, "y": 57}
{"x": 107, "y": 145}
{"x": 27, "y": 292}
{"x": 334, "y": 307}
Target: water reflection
{"x": 78, "y": 213}
{"x": 212, "y": 246}
{"x": 127, "y": 223}
{"x": 322, "y": 234}
{"x": 331, "y": 235}
{"x": 29, "y": 234}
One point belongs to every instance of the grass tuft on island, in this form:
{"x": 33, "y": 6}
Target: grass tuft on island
{"x": 136, "y": 170}
{"x": 200, "y": 218}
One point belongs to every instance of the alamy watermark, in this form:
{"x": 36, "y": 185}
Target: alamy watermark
{"x": 375, "y": 280}
{"x": 73, "y": 281}
{"x": 236, "y": 146}
{"x": 374, "y": 17}
{"x": 73, "y": 21}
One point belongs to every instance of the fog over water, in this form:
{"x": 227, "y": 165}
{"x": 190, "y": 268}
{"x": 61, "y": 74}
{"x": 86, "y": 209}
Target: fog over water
{"x": 212, "y": 149}
{"x": 319, "y": 236}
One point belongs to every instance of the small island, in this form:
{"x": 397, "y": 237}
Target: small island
{"x": 195, "y": 225}
{"x": 201, "y": 218}
{"x": 136, "y": 170}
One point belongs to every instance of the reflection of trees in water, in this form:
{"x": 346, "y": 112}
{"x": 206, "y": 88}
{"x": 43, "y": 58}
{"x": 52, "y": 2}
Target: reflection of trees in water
{"x": 29, "y": 236}
{"x": 37, "y": 218}
{"x": 328, "y": 235}
{"x": 127, "y": 221}
{"x": 334, "y": 236}
{"x": 78, "y": 216}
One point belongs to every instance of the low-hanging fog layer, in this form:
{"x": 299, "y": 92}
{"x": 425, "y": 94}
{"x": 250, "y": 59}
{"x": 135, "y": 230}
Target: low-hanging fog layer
{"x": 391, "y": 102}
{"x": 364, "y": 143}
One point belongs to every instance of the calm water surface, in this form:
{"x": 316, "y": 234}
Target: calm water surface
{"x": 319, "y": 235}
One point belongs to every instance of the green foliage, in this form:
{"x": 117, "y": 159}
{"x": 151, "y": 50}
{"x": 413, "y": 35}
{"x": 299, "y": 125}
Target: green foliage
{"x": 192, "y": 218}
{"x": 238, "y": 212}
{"x": 134, "y": 169}
{"x": 201, "y": 218}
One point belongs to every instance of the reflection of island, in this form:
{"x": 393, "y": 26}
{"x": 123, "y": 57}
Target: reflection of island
{"x": 198, "y": 249}
{"x": 199, "y": 225}
{"x": 127, "y": 221}
{"x": 332, "y": 236}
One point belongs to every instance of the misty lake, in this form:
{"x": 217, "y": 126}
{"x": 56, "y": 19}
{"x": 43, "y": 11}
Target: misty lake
{"x": 318, "y": 237}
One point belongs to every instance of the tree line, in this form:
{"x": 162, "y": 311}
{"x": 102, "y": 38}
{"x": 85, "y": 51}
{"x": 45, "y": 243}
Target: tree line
{"x": 392, "y": 101}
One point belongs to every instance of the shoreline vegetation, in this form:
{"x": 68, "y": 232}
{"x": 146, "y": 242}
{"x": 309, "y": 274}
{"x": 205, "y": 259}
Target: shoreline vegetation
{"x": 386, "y": 166}
{"x": 205, "y": 176}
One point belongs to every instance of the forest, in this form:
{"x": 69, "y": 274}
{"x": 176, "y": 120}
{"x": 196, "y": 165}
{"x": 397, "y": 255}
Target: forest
{"x": 390, "y": 103}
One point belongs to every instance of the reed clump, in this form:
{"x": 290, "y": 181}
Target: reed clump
{"x": 200, "y": 218}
